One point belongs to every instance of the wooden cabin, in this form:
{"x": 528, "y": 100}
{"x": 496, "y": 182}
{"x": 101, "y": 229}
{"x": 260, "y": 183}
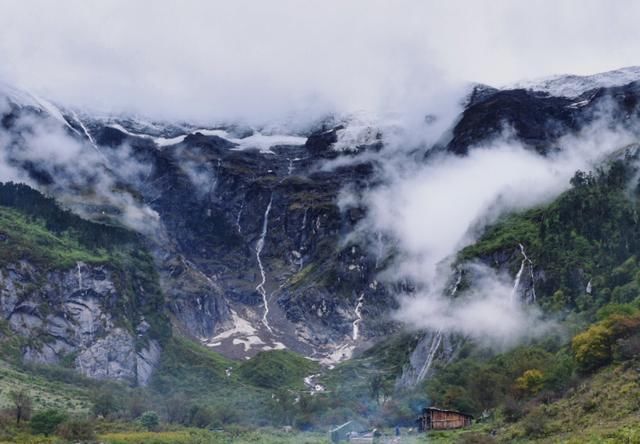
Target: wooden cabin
{"x": 433, "y": 418}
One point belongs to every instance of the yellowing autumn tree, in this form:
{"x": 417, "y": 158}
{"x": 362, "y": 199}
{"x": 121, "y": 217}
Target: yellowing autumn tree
{"x": 530, "y": 382}
{"x": 593, "y": 347}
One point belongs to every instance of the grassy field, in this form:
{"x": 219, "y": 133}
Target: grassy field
{"x": 44, "y": 393}
{"x": 266, "y": 436}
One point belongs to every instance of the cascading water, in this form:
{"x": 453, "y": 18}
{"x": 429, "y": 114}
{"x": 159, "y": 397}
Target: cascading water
{"x": 86, "y": 132}
{"x": 456, "y": 285}
{"x": 78, "y": 265}
{"x": 300, "y": 249}
{"x": 304, "y": 219}
{"x": 358, "y": 320}
{"x": 437, "y": 337}
{"x": 435, "y": 344}
{"x": 516, "y": 284}
{"x": 259, "y": 246}
{"x": 238, "y": 218}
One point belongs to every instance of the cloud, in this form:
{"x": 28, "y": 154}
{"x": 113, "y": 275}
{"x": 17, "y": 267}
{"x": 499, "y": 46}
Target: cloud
{"x": 487, "y": 312}
{"x": 431, "y": 210}
{"x": 76, "y": 173}
{"x": 390, "y": 64}
{"x": 294, "y": 61}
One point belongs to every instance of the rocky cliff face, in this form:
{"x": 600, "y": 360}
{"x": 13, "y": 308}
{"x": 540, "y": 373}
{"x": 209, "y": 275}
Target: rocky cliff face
{"x": 70, "y": 315}
{"x": 248, "y": 237}
{"x": 537, "y": 118}
{"x": 262, "y": 231}
{"x": 252, "y": 248}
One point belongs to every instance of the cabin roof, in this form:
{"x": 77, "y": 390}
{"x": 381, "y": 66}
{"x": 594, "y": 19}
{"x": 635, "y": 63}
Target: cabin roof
{"x": 437, "y": 409}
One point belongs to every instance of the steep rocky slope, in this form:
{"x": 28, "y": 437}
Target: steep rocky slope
{"x": 252, "y": 247}
{"x": 77, "y": 293}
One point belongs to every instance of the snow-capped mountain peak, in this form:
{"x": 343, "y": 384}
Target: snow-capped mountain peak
{"x": 570, "y": 85}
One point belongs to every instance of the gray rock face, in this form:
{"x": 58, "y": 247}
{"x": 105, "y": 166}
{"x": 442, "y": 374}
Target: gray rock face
{"x": 212, "y": 200}
{"x": 70, "y": 313}
{"x": 114, "y": 357}
{"x": 433, "y": 346}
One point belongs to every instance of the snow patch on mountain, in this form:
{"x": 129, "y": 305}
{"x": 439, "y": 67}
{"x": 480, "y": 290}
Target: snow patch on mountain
{"x": 573, "y": 86}
{"x": 354, "y": 136}
{"x": 261, "y": 142}
{"x": 26, "y": 99}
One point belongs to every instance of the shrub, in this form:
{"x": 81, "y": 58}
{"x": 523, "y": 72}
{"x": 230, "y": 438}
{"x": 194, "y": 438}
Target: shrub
{"x": 535, "y": 423}
{"x": 200, "y": 416}
{"x": 46, "y": 422}
{"x": 177, "y": 408}
{"x": 76, "y": 430}
{"x": 475, "y": 438}
{"x": 22, "y": 405}
{"x": 628, "y": 348}
{"x": 559, "y": 375}
{"x": 137, "y": 404}
{"x": 224, "y": 415}
{"x": 512, "y": 410}
{"x": 613, "y": 309}
{"x": 150, "y": 420}
{"x": 594, "y": 347}
{"x": 104, "y": 402}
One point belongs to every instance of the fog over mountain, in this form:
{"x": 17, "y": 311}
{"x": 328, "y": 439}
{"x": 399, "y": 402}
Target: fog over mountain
{"x": 267, "y": 61}
{"x": 346, "y": 207}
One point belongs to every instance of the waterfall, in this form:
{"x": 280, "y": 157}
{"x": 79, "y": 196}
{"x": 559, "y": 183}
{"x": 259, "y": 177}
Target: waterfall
{"x": 88, "y": 134}
{"x": 435, "y": 344}
{"x": 437, "y": 338}
{"x": 526, "y": 258}
{"x": 454, "y": 290}
{"x": 238, "y": 218}
{"x": 516, "y": 284}
{"x": 259, "y": 247}
{"x": 358, "y": 312}
{"x": 300, "y": 247}
{"x": 588, "y": 289}
{"x": 79, "y": 276}
{"x": 525, "y": 261}
{"x": 290, "y": 167}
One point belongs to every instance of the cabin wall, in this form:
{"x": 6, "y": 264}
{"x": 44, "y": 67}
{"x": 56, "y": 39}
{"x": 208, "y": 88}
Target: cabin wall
{"x": 437, "y": 420}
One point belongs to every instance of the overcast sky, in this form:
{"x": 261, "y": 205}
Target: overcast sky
{"x": 216, "y": 59}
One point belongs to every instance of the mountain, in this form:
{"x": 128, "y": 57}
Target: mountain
{"x": 173, "y": 256}
{"x": 245, "y": 227}
{"x": 572, "y": 86}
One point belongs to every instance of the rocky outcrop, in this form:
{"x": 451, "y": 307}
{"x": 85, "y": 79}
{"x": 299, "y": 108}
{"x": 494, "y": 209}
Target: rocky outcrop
{"x": 537, "y": 118}
{"x": 432, "y": 347}
{"x": 73, "y": 316}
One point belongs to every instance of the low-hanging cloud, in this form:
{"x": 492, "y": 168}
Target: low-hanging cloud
{"x": 431, "y": 210}
{"x": 76, "y": 173}
{"x": 291, "y": 60}
{"x": 488, "y": 311}
{"x": 290, "y": 63}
